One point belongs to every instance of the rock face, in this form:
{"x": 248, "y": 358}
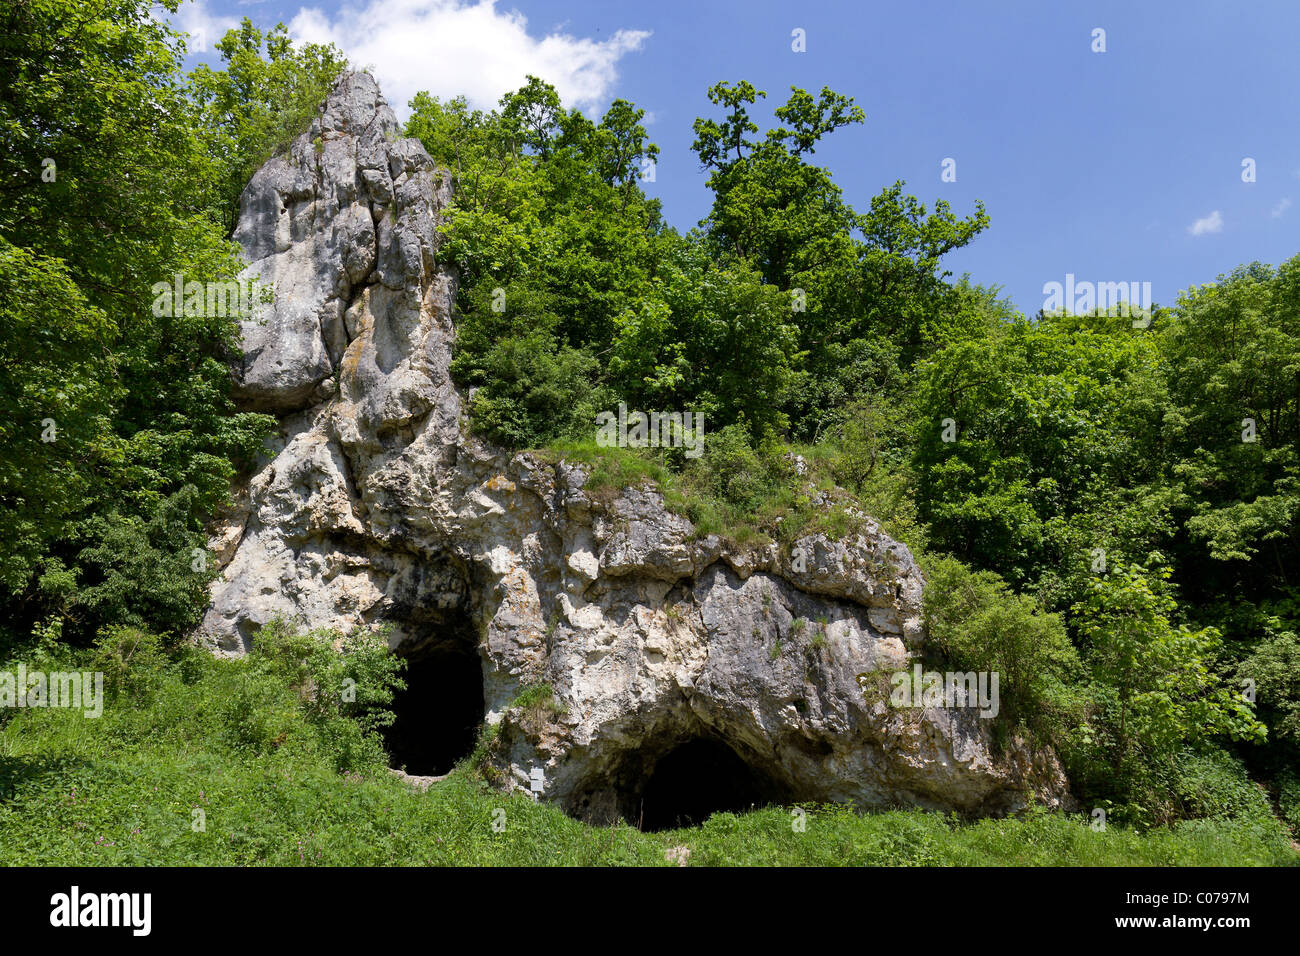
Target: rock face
{"x": 375, "y": 505}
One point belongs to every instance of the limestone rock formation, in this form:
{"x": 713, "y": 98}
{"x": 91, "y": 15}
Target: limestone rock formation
{"x": 374, "y": 505}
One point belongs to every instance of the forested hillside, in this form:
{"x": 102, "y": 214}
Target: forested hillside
{"x": 1108, "y": 510}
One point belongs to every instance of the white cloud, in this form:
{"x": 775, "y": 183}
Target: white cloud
{"x": 204, "y": 27}
{"x": 1281, "y": 207}
{"x": 1211, "y": 223}
{"x": 454, "y": 47}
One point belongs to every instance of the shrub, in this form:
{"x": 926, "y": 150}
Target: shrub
{"x": 731, "y": 469}
{"x": 132, "y": 661}
{"x": 1288, "y": 800}
{"x": 1156, "y": 681}
{"x": 143, "y": 573}
{"x": 978, "y": 624}
{"x": 1214, "y": 785}
{"x": 259, "y": 714}
{"x": 344, "y": 685}
{"x": 1275, "y": 668}
{"x": 858, "y": 442}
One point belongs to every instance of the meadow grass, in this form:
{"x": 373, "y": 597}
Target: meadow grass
{"x": 124, "y": 790}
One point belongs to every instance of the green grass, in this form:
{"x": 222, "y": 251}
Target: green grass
{"x": 775, "y": 506}
{"x": 123, "y": 789}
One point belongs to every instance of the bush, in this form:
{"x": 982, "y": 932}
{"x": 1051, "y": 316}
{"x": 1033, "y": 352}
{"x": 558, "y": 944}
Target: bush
{"x": 63, "y": 380}
{"x": 858, "y": 440}
{"x": 1214, "y": 785}
{"x": 147, "y": 573}
{"x": 132, "y": 661}
{"x": 1275, "y": 668}
{"x": 258, "y": 715}
{"x": 1288, "y": 800}
{"x": 344, "y": 686}
{"x": 1156, "y": 687}
{"x": 732, "y": 471}
{"x": 978, "y": 624}
{"x": 533, "y": 390}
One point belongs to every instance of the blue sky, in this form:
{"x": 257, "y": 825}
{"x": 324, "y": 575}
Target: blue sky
{"x": 1096, "y": 164}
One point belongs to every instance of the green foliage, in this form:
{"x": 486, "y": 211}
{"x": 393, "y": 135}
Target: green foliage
{"x": 343, "y": 684}
{"x": 1086, "y": 447}
{"x": 978, "y": 624}
{"x": 534, "y": 388}
{"x": 1050, "y": 417}
{"x": 1274, "y": 667}
{"x": 771, "y": 207}
{"x": 93, "y": 86}
{"x": 1156, "y": 687}
{"x": 267, "y": 95}
{"x": 1288, "y": 799}
{"x": 121, "y": 790}
{"x": 145, "y": 572}
{"x": 1215, "y": 786}
{"x": 538, "y": 701}
{"x": 572, "y": 285}
{"x": 553, "y": 240}
{"x": 56, "y": 391}
{"x": 147, "y": 440}
{"x": 715, "y": 340}
{"x": 1142, "y": 484}
{"x": 1232, "y": 458}
{"x": 133, "y": 664}
{"x": 856, "y": 285}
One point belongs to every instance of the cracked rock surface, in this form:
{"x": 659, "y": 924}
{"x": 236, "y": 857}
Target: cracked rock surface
{"x": 374, "y": 505}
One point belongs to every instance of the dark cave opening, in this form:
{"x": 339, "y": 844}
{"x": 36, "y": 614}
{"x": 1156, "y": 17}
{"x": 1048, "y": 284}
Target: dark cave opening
{"x": 701, "y": 777}
{"x": 439, "y": 713}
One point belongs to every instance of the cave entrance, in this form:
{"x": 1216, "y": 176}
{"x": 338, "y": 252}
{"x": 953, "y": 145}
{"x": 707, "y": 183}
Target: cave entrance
{"x": 701, "y": 777}
{"x": 439, "y": 713}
